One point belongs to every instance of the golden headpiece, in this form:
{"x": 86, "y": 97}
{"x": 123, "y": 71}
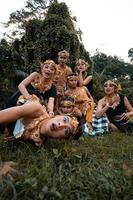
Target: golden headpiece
{"x": 118, "y": 85}
{"x": 88, "y": 63}
{"x": 63, "y": 52}
{"x": 49, "y": 62}
{"x": 74, "y": 123}
{"x": 82, "y": 61}
{"x": 114, "y": 83}
{"x": 73, "y": 75}
{"x": 67, "y": 101}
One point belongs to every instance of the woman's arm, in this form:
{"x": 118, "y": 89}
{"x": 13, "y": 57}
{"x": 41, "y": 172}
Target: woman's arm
{"x": 69, "y": 71}
{"x": 84, "y": 81}
{"x": 24, "y": 83}
{"x": 88, "y": 94}
{"x": 51, "y": 100}
{"x": 87, "y": 80}
{"x": 101, "y": 108}
{"x": 31, "y": 109}
{"x": 128, "y": 107}
{"x": 51, "y": 106}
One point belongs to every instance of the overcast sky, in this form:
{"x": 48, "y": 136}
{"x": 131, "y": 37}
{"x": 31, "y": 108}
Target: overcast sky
{"x": 106, "y": 24}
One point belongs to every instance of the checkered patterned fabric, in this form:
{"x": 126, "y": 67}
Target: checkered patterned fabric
{"x": 100, "y": 125}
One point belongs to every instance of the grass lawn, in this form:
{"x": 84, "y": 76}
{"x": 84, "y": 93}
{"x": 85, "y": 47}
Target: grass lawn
{"x": 92, "y": 168}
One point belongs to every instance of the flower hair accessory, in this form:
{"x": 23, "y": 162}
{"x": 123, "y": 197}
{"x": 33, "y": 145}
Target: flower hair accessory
{"x": 74, "y": 123}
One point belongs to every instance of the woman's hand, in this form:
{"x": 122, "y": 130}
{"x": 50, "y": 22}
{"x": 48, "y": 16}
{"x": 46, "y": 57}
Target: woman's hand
{"x": 7, "y": 167}
{"x": 125, "y": 116}
{"x": 81, "y": 70}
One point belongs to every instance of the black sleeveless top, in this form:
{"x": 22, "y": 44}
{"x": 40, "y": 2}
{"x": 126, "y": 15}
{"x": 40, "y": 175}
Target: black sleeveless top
{"x": 12, "y": 101}
{"x": 119, "y": 109}
{"x": 90, "y": 87}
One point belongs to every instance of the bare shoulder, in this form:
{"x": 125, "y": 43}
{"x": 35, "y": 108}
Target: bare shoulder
{"x": 69, "y": 70}
{"x": 87, "y": 80}
{"x": 85, "y": 88}
{"x": 89, "y": 77}
{"x": 101, "y": 101}
{"x": 34, "y": 74}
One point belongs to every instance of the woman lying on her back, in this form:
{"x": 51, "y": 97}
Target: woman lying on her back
{"x": 36, "y": 124}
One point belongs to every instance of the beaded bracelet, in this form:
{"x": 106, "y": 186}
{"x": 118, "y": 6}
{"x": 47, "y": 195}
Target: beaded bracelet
{"x": 51, "y": 114}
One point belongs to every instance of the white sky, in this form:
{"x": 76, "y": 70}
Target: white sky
{"x": 106, "y": 24}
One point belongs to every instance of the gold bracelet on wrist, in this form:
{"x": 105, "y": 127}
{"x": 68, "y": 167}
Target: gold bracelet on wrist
{"x": 51, "y": 113}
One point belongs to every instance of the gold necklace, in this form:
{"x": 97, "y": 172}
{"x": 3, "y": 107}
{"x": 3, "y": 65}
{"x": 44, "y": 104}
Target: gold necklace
{"x": 42, "y": 86}
{"x": 112, "y": 101}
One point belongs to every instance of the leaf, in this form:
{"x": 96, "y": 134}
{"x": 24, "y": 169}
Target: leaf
{"x": 55, "y": 151}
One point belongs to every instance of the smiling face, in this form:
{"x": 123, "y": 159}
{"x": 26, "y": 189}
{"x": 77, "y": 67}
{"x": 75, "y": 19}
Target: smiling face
{"x": 66, "y": 105}
{"x": 110, "y": 87}
{"x": 61, "y": 126}
{"x": 48, "y": 69}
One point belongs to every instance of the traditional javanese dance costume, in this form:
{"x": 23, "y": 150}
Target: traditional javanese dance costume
{"x": 82, "y": 101}
{"x": 31, "y": 130}
{"x": 61, "y": 78}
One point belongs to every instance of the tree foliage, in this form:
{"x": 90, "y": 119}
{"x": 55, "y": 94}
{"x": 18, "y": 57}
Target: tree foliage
{"x": 43, "y": 39}
{"x": 5, "y": 62}
{"x": 130, "y": 54}
{"x": 48, "y": 27}
{"x": 34, "y": 9}
{"x": 45, "y": 36}
{"x": 108, "y": 67}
